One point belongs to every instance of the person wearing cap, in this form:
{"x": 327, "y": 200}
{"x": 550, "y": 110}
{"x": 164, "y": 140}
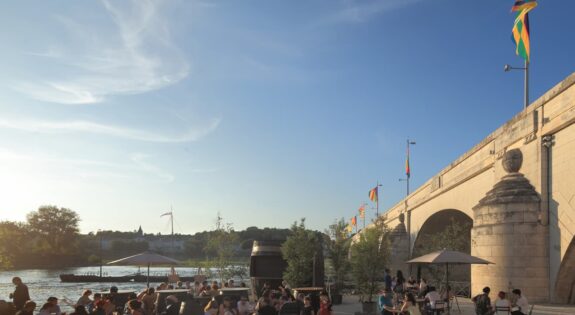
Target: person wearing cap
{"x": 171, "y": 306}
{"x": 28, "y": 308}
{"x": 385, "y": 302}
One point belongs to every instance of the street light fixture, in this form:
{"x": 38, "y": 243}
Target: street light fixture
{"x": 508, "y": 68}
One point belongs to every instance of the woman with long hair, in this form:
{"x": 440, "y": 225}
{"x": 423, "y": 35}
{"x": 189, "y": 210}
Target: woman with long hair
{"x": 410, "y": 305}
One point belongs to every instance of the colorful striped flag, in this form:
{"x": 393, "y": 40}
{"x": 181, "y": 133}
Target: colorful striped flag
{"x": 520, "y": 31}
{"x": 523, "y": 5}
{"x": 362, "y": 211}
{"x": 373, "y": 194}
{"x": 354, "y": 221}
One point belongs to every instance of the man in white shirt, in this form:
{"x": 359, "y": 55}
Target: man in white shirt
{"x": 432, "y": 296}
{"x": 521, "y": 306}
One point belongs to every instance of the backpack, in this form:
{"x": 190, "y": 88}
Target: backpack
{"x": 482, "y": 304}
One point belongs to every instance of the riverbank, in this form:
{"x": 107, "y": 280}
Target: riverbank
{"x": 464, "y": 306}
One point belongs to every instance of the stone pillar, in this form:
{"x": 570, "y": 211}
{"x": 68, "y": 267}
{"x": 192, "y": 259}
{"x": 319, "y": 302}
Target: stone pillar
{"x": 399, "y": 247}
{"x": 506, "y": 231}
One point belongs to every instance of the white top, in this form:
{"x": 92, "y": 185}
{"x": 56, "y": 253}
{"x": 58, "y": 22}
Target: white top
{"x": 523, "y": 304}
{"x": 502, "y": 303}
{"x": 433, "y": 296}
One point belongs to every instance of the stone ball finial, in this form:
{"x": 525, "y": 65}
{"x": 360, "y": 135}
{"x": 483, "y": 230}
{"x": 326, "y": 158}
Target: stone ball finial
{"x": 401, "y": 217}
{"x": 512, "y": 161}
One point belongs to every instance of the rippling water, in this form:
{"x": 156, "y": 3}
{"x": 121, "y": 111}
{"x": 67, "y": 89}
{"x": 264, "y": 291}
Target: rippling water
{"x": 45, "y": 283}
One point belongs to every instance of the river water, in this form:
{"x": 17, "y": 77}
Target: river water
{"x": 44, "y": 283}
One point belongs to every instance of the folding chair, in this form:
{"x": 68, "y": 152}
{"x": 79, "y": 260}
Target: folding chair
{"x": 502, "y": 310}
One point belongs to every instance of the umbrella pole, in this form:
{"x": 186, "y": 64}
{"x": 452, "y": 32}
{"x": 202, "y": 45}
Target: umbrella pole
{"x": 148, "y": 278}
{"x": 447, "y": 287}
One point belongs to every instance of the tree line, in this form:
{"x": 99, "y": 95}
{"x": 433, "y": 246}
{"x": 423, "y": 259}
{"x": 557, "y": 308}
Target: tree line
{"x": 50, "y": 238}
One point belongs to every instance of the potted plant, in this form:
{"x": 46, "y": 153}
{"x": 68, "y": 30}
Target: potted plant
{"x": 338, "y": 251}
{"x": 369, "y": 255}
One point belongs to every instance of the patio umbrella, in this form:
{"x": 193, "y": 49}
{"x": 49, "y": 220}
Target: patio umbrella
{"x": 448, "y": 257}
{"x": 146, "y": 258}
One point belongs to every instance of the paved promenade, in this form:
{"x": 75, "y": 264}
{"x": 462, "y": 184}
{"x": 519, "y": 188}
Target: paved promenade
{"x": 351, "y": 305}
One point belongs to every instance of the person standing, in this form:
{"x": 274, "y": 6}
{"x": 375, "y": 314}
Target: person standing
{"x": 483, "y": 303}
{"x": 385, "y": 303}
{"x": 521, "y": 305}
{"x": 20, "y": 295}
{"x": 387, "y": 279}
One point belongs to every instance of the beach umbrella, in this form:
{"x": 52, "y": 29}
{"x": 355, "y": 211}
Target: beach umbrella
{"x": 147, "y": 258}
{"x": 448, "y": 257}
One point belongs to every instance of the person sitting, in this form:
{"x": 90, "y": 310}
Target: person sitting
{"x": 422, "y": 287}
{"x": 28, "y": 309}
{"x": 483, "y": 303}
{"x": 307, "y": 307}
{"x": 135, "y": 307}
{"x": 502, "y": 302}
{"x": 172, "y": 306}
{"x": 45, "y": 309}
{"x": 244, "y": 307}
{"x": 148, "y": 301}
{"x": 79, "y": 310}
{"x": 211, "y": 308}
{"x": 431, "y": 298}
{"x": 85, "y": 300}
{"x": 521, "y": 305}
{"x": 92, "y": 305}
{"x": 411, "y": 283}
{"x": 385, "y": 302}
{"x": 410, "y": 306}
{"x": 264, "y": 307}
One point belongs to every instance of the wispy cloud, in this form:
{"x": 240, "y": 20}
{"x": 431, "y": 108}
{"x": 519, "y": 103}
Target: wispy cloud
{"x": 137, "y": 167}
{"x": 193, "y": 134}
{"x": 134, "y": 56}
{"x": 140, "y": 160}
{"x": 357, "y": 11}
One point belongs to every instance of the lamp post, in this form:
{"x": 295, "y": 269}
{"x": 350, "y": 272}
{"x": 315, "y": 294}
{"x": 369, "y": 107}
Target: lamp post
{"x": 508, "y": 68}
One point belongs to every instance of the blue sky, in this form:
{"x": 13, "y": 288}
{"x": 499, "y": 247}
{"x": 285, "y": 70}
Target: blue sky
{"x": 266, "y": 111}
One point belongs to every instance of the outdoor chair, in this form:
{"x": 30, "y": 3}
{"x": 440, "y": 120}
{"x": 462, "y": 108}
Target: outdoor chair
{"x": 439, "y": 308}
{"x": 531, "y": 309}
{"x": 502, "y": 310}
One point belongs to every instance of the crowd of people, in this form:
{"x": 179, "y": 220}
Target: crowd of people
{"x": 399, "y": 295}
{"x": 413, "y": 297}
{"x": 271, "y": 301}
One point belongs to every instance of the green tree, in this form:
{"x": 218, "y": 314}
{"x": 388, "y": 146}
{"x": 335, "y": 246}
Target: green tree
{"x": 57, "y": 227}
{"x": 222, "y": 242}
{"x": 298, "y": 251}
{"x": 369, "y": 256}
{"x": 13, "y": 241}
{"x": 456, "y": 236}
{"x": 338, "y": 251}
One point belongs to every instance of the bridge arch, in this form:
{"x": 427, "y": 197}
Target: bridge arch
{"x": 440, "y": 222}
{"x": 565, "y": 285}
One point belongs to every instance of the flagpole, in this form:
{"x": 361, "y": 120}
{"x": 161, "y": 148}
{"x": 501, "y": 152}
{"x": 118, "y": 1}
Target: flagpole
{"x": 377, "y": 200}
{"x": 526, "y": 84}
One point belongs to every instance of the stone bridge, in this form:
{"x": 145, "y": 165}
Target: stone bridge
{"x": 522, "y": 219}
